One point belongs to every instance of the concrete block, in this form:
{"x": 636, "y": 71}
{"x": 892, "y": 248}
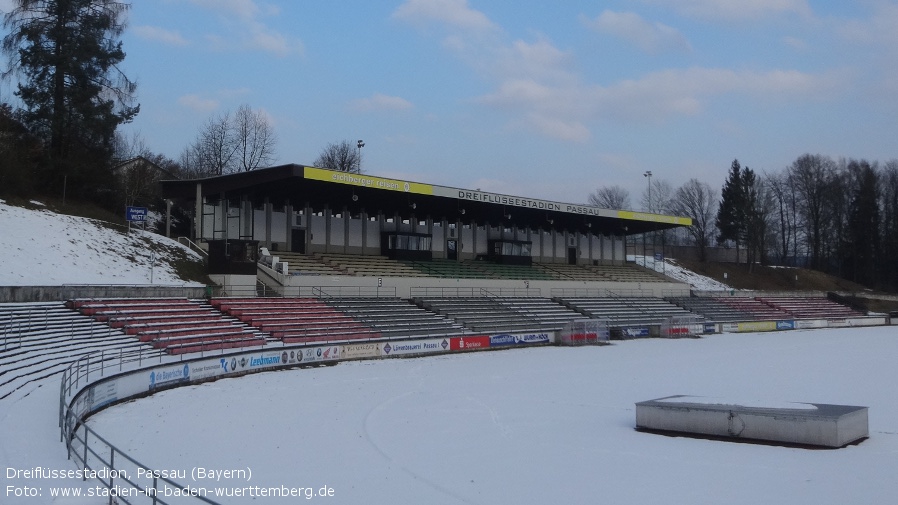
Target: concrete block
{"x": 814, "y": 424}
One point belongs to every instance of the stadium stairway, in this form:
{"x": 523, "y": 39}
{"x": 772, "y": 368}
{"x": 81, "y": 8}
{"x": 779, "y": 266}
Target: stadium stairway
{"x": 502, "y": 314}
{"x": 811, "y": 307}
{"x": 40, "y": 340}
{"x": 174, "y": 325}
{"x": 295, "y": 320}
{"x": 310, "y": 320}
{"x": 628, "y": 311}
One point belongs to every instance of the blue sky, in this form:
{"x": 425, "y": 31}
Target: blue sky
{"x": 532, "y": 98}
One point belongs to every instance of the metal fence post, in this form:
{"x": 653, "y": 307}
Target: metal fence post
{"x": 84, "y": 460}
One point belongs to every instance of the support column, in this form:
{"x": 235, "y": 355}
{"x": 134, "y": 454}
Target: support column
{"x": 364, "y": 217}
{"x": 288, "y": 233}
{"x": 267, "y": 206}
{"x": 198, "y": 214}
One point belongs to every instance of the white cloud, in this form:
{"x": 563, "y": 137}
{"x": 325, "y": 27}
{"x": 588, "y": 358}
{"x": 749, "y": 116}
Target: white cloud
{"x": 735, "y": 10}
{"x": 659, "y": 95}
{"x": 455, "y": 13}
{"x": 162, "y": 35}
{"x": 537, "y": 86}
{"x": 246, "y": 29}
{"x": 380, "y": 102}
{"x": 563, "y": 111}
{"x": 198, "y": 103}
{"x": 650, "y": 37}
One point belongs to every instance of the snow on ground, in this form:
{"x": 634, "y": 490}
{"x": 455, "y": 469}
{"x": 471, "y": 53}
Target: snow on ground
{"x": 670, "y": 268}
{"x": 532, "y": 426}
{"x": 42, "y": 248}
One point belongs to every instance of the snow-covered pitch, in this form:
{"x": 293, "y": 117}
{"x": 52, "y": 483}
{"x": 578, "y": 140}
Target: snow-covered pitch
{"x": 526, "y": 426}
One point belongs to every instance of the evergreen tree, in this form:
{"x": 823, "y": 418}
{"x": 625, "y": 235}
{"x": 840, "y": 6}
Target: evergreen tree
{"x": 730, "y": 216}
{"x": 67, "y": 55}
{"x": 754, "y": 212}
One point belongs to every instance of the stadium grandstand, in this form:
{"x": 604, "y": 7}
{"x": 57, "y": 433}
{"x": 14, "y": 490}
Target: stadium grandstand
{"x": 322, "y": 228}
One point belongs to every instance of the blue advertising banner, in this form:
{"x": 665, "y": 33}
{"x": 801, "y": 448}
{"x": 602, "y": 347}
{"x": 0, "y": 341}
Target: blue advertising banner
{"x": 785, "y": 325}
{"x": 635, "y": 332}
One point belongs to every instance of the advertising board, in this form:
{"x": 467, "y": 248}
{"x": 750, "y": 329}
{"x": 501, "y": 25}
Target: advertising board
{"x": 406, "y": 347}
{"x": 168, "y": 375}
{"x": 806, "y": 324}
{"x": 635, "y": 332}
{"x": 366, "y": 350}
{"x": 506, "y": 339}
{"x": 468, "y": 343}
{"x": 757, "y": 326}
{"x": 785, "y": 325}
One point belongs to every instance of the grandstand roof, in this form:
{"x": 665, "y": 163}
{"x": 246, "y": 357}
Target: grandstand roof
{"x": 356, "y": 192}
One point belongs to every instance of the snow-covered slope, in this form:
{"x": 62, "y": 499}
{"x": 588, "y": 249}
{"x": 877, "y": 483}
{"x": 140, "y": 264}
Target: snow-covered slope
{"x": 40, "y": 247}
{"x": 670, "y": 268}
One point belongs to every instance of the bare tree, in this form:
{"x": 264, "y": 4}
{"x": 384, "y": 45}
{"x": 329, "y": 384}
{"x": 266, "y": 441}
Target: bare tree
{"x": 811, "y": 175}
{"x": 784, "y": 217}
{"x": 889, "y": 225}
{"x": 227, "y": 144}
{"x": 658, "y": 198}
{"x": 217, "y": 144}
{"x": 255, "y": 139}
{"x": 697, "y": 200}
{"x": 610, "y": 197}
{"x": 343, "y": 157}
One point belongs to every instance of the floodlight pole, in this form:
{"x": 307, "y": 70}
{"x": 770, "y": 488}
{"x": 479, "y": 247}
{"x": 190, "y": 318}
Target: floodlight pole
{"x": 360, "y": 145}
{"x": 648, "y": 174}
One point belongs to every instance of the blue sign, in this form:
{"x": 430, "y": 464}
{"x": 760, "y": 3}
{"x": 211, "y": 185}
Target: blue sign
{"x": 635, "y": 332}
{"x": 710, "y": 327}
{"x": 136, "y": 214}
{"x": 659, "y": 256}
{"x": 785, "y": 325}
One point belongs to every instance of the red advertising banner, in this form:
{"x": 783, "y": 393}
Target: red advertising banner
{"x": 467, "y": 343}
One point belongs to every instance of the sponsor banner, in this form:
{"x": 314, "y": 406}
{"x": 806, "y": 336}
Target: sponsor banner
{"x": 729, "y": 327}
{"x": 367, "y": 350}
{"x": 505, "y": 339}
{"x": 415, "y": 347}
{"x": 465, "y": 343}
{"x": 757, "y": 326}
{"x": 207, "y": 368}
{"x": 868, "y": 321}
{"x": 709, "y": 328}
{"x": 366, "y": 181}
{"x": 166, "y": 375}
{"x": 635, "y": 332}
{"x": 785, "y": 325}
{"x": 100, "y": 395}
{"x": 806, "y": 324}
{"x": 316, "y": 354}
{"x": 261, "y": 360}
{"x": 837, "y": 323}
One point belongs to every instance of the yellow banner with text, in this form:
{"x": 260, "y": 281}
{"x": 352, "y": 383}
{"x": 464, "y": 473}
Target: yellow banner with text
{"x": 366, "y": 181}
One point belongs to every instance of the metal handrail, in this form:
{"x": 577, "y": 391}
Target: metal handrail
{"x": 192, "y": 246}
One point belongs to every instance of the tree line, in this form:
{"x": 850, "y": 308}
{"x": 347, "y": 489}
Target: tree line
{"x": 63, "y": 136}
{"x": 837, "y": 216}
